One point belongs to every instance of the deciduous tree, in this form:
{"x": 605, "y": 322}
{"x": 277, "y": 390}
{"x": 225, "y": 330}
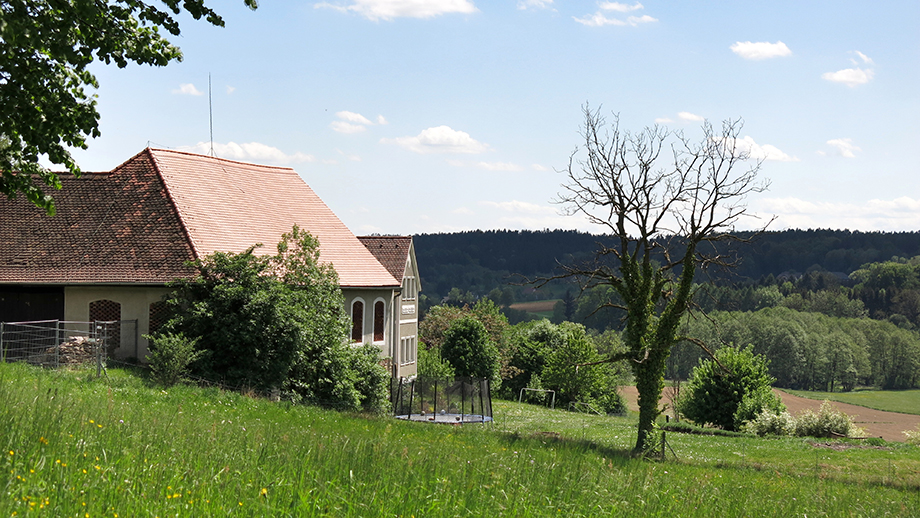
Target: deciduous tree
{"x": 47, "y": 47}
{"x": 663, "y": 198}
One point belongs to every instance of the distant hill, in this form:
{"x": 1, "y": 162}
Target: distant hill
{"x": 480, "y": 261}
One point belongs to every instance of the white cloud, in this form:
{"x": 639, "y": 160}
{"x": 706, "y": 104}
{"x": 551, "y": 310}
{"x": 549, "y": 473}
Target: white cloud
{"x": 538, "y": 167}
{"x": 537, "y": 4}
{"x": 249, "y": 152}
{"x": 762, "y": 151}
{"x": 599, "y": 19}
{"x": 760, "y": 50}
{"x": 376, "y": 10}
{"x": 230, "y": 89}
{"x": 344, "y": 127}
{"x": 187, "y": 89}
{"x": 463, "y": 210}
{"x": 618, "y": 7}
{"x": 865, "y": 59}
{"x": 682, "y": 116}
{"x": 849, "y": 76}
{"x": 853, "y": 76}
{"x": 353, "y": 122}
{"x": 499, "y": 166}
{"x": 692, "y": 117}
{"x": 900, "y": 214}
{"x": 439, "y": 139}
{"x": 518, "y": 214}
{"x": 845, "y": 147}
{"x": 353, "y": 117}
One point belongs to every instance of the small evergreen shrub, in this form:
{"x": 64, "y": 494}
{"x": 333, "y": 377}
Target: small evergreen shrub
{"x": 827, "y": 422}
{"x": 170, "y": 356}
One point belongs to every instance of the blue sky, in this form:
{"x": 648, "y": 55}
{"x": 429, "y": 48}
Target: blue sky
{"x": 413, "y": 116}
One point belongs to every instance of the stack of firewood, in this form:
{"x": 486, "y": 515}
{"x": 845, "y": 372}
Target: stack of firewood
{"x": 74, "y": 350}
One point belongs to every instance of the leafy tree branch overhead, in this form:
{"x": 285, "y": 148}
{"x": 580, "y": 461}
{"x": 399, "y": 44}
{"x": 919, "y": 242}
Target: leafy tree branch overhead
{"x": 47, "y": 47}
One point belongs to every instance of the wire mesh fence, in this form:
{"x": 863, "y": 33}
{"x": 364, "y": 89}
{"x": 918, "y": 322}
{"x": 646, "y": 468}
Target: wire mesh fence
{"x": 58, "y": 343}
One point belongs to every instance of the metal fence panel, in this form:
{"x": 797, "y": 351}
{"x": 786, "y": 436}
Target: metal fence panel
{"x": 56, "y": 343}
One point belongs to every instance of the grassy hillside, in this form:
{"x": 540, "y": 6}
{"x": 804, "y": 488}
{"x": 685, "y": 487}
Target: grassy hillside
{"x": 73, "y": 445}
{"x": 903, "y": 401}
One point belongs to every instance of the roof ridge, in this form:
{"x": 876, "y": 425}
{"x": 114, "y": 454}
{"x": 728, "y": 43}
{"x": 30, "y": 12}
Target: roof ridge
{"x": 208, "y": 157}
{"x": 169, "y": 195}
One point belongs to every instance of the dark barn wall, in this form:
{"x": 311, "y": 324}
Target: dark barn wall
{"x": 18, "y": 304}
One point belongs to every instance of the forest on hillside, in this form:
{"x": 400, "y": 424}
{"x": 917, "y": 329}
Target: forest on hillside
{"x": 472, "y": 265}
{"x": 831, "y": 310}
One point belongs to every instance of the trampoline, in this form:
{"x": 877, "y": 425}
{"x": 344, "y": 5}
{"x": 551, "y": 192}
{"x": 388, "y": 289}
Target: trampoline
{"x": 455, "y": 401}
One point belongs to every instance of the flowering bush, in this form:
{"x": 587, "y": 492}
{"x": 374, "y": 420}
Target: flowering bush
{"x": 913, "y": 436}
{"x": 828, "y": 422}
{"x": 768, "y": 422}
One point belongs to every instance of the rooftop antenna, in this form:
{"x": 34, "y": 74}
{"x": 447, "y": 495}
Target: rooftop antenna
{"x": 210, "y": 115}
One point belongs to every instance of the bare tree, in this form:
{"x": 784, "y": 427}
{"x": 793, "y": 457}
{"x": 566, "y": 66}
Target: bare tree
{"x": 665, "y": 201}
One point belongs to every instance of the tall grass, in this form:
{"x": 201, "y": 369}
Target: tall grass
{"x": 73, "y": 445}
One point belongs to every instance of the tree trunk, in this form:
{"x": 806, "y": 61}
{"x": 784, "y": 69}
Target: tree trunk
{"x": 649, "y": 383}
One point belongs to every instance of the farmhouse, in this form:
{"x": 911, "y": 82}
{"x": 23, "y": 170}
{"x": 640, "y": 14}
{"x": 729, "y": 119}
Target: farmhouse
{"x": 118, "y": 238}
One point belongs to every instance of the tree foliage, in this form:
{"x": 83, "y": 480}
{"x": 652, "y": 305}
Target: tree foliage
{"x": 664, "y": 214}
{"x": 469, "y": 350}
{"x": 439, "y": 319}
{"x": 276, "y": 323}
{"x": 727, "y": 391}
{"x": 48, "y": 46}
{"x": 566, "y": 359}
{"x": 810, "y": 351}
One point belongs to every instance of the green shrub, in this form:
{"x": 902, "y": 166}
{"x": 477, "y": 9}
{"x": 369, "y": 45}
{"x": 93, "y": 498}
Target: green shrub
{"x": 730, "y": 391}
{"x": 170, "y": 356}
{"x": 755, "y": 403}
{"x": 342, "y": 376}
{"x": 469, "y": 350}
{"x": 768, "y": 422}
{"x": 431, "y": 365}
{"x": 827, "y": 422}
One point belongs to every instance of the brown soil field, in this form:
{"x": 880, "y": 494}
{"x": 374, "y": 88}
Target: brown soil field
{"x": 538, "y": 306}
{"x": 877, "y": 423}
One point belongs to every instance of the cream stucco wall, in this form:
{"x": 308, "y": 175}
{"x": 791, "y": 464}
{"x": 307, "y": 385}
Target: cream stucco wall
{"x": 135, "y": 305}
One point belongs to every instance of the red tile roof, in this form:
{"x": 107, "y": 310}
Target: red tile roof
{"x": 117, "y": 227}
{"x": 391, "y": 251}
{"x": 142, "y": 220}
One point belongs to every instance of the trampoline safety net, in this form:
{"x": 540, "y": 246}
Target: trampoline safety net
{"x": 443, "y": 400}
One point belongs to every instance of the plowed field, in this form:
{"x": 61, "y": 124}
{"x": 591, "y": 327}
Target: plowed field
{"x": 877, "y": 423}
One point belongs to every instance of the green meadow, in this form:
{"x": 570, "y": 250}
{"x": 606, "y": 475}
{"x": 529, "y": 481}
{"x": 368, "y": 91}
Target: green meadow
{"x": 116, "y": 446}
{"x": 903, "y": 401}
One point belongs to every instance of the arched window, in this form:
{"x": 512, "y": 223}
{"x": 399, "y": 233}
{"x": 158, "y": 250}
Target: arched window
{"x": 158, "y": 314}
{"x": 357, "y": 321}
{"x": 107, "y": 311}
{"x": 378, "y": 321}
